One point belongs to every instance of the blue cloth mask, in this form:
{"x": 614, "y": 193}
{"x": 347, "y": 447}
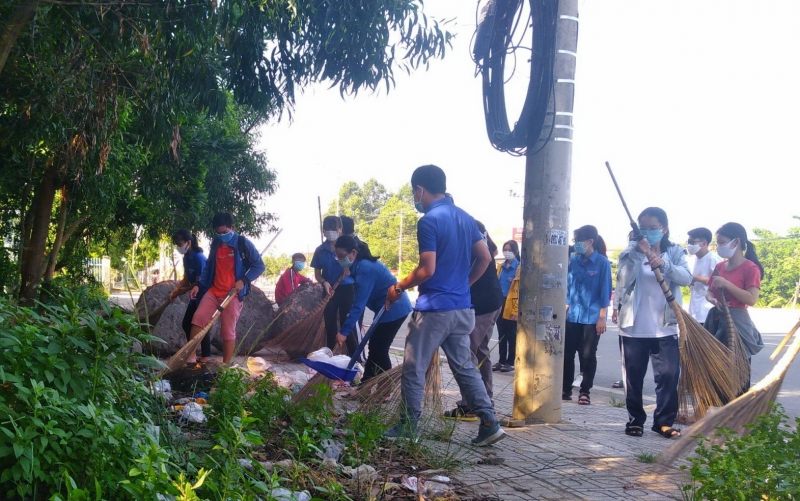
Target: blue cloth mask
{"x": 300, "y": 265}
{"x": 580, "y": 249}
{"x": 225, "y": 237}
{"x": 653, "y": 236}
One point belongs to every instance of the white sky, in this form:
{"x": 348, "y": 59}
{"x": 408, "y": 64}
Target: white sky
{"x": 695, "y": 105}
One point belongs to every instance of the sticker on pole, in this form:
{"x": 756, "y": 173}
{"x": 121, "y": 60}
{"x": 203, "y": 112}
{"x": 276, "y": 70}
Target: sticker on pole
{"x": 545, "y": 314}
{"x": 551, "y": 281}
{"x": 558, "y": 238}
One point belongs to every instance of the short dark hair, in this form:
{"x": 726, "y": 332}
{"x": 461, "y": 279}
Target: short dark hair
{"x": 430, "y": 177}
{"x": 298, "y": 255}
{"x": 332, "y": 222}
{"x": 348, "y": 225}
{"x": 701, "y": 234}
{"x": 222, "y": 219}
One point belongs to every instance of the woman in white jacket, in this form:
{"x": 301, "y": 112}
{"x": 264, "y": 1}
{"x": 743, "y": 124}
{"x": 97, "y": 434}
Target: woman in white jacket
{"x": 648, "y": 326}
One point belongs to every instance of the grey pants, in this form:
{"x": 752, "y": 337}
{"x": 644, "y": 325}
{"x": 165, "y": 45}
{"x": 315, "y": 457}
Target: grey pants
{"x": 450, "y": 330}
{"x": 479, "y": 346}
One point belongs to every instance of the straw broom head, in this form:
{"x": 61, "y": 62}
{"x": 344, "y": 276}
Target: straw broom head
{"x": 741, "y": 411}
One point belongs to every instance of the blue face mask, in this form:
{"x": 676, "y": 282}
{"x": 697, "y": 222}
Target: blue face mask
{"x": 580, "y": 249}
{"x": 418, "y": 205}
{"x": 225, "y": 237}
{"x": 345, "y": 262}
{"x": 300, "y": 265}
{"x": 653, "y": 236}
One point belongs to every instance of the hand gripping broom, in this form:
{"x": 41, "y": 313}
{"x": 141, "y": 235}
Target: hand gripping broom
{"x": 744, "y": 409}
{"x": 178, "y": 360}
{"x": 705, "y": 361}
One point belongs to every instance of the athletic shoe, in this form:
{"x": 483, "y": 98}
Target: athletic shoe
{"x": 489, "y": 434}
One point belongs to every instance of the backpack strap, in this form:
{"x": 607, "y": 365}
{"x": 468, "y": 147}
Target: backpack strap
{"x": 241, "y": 245}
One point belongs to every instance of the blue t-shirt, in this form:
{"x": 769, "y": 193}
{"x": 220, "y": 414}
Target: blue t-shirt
{"x": 588, "y": 288}
{"x": 507, "y": 275}
{"x": 193, "y": 264}
{"x": 373, "y": 279}
{"x": 326, "y": 260}
{"x": 450, "y": 232}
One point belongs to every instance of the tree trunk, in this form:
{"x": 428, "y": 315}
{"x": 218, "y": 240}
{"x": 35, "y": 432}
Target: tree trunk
{"x": 62, "y": 223}
{"x": 13, "y": 28}
{"x": 33, "y": 254}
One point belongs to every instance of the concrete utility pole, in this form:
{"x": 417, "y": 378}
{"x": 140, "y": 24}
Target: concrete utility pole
{"x": 540, "y": 332}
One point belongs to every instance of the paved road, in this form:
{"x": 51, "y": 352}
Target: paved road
{"x": 774, "y": 325}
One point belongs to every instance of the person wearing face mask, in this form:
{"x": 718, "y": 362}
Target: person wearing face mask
{"x": 588, "y": 297}
{"x": 704, "y": 265}
{"x": 507, "y": 272}
{"x": 327, "y": 271}
{"x": 194, "y": 262}
{"x": 648, "y": 326}
{"x": 233, "y": 263}
{"x": 739, "y": 277}
{"x": 291, "y": 279}
{"x": 371, "y": 279}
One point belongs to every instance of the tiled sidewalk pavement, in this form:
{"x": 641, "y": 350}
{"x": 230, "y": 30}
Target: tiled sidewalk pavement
{"x": 586, "y": 456}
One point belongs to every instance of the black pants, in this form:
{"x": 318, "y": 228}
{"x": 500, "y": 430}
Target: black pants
{"x": 335, "y": 314}
{"x": 507, "y": 344}
{"x": 205, "y": 344}
{"x": 581, "y": 339}
{"x": 378, "y": 359}
{"x": 663, "y": 353}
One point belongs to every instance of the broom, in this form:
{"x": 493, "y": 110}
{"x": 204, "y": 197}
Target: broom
{"x": 740, "y": 367}
{"x": 178, "y": 360}
{"x": 305, "y": 335}
{"x": 743, "y": 410}
{"x": 704, "y": 381}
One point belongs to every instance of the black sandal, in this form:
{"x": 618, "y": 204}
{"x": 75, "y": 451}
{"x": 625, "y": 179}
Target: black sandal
{"x": 584, "y": 399}
{"x": 669, "y": 432}
{"x": 634, "y": 431}
{"x": 460, "y": 413}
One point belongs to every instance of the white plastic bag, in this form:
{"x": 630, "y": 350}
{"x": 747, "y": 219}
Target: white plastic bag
{"x": 193, "y": 413}
{"x": 257, "y": 365}
{"x": 321, "y": 355}
{"x": 340, "y": 361}
{"x": 282, "y": 494}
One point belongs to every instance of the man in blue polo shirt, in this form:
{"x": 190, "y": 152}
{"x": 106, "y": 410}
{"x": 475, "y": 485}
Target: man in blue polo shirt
{"x": 452, "y": 256}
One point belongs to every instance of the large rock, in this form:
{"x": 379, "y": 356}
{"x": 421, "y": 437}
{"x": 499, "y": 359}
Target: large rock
{"x": 298, "y": 305}
{"x": 256, "y": 316}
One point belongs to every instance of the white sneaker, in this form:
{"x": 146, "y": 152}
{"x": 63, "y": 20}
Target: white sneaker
{"x": 578, "y": 381}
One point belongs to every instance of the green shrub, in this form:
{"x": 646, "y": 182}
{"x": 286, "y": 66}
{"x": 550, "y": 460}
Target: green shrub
{"x": 760, "y": 465}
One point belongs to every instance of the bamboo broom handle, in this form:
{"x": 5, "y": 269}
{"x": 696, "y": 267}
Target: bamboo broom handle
{"x": 784, "y": 341}
{"x": 670, "y": 299}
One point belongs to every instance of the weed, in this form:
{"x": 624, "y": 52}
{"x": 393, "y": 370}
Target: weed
{"x": 616, "y": 403}
{"x": 647, "y": 457}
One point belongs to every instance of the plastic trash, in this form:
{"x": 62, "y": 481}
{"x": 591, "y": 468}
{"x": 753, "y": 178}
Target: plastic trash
{"x": 330, "y": 449}
{"x": 340, "y": 361}
{"x": 193, "y": 413}
{"x": 282, "y": 494}
{"x": 364, "y": 473}
{"x": 257, "y": 365}
{"x": 441, "y": 478}
{"x": 329, "y": 464}
{"x": 201, "y": 394}
{"x": 409, "y": 483}
{"x": 245, "y": 463}
{"x": 162, "y": 388}
{"x": 321, "y": 355}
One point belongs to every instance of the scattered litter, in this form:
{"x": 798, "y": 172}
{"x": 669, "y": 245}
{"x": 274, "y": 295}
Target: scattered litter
{"x": 330, "y": 449}
{"x": 201, "y": 394}
{"x": 434, "y": 488}
{"x": 162, "y": 388}
{"x": 429, "y": 487}
{"x": 183, "y": 401}
{"x": 257, "y": 365}
{"x": 245, "y": 463}
{"x": 321, "y": 355}
{"x": 329, "y": 464}
{"x": 282, "y": 494}
{"x": 340, "y": 361}
{"x": 441, "y": 478}
{"x": 364, "y": 473}
{"x": 409, "y": 483}
{"x": 193, "y": 413}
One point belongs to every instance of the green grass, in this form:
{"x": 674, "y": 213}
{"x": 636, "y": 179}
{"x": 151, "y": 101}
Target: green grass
{"x": 647, "y": 457}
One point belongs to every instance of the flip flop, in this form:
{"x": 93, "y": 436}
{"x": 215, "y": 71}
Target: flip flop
{"x": 669, "y": 432}
{"x": 460, "y": 414}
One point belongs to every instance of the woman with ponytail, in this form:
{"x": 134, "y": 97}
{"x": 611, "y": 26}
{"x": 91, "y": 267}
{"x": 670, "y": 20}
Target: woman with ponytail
{"x": 739, "y": 277}
{"x": 194, "y": 261}
{"x": 588, "y": 297}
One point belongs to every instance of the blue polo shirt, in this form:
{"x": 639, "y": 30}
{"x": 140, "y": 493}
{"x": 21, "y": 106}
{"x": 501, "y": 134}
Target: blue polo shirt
{"x": 507, "y": 275}
{"x": 588, "y": 288}
{"x": 373, "y": 279}
{"x": 326, "y": 260}
{"x": 450, "y": 232}
{"x": 193, "y": 264}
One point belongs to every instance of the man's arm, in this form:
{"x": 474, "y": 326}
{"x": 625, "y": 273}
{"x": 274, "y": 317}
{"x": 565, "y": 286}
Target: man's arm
{"x": 423, "y": 271}
{"x": 481, "y": 260}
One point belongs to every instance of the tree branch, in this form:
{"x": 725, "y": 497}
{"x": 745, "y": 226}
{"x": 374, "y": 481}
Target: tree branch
{"x": 13, "y": 28}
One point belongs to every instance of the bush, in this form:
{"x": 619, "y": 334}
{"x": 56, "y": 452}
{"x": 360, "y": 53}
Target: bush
{"x": 760, "y": 465}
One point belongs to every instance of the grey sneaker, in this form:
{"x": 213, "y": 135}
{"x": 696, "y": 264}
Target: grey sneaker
{"x": 402, "y": 431}
{"x": 487, "y": 435}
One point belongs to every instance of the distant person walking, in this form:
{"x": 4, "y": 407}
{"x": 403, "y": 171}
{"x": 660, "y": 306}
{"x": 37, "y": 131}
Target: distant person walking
{"x": 588, "y": 297}
{"x": 292, "y": 278}
{"x": 648, "y": 326}
{"x": 452, "y": 257}
{"x": 705, "y": 262}
{"x": 740, "y": 279}
{"x": 506, "y": 326}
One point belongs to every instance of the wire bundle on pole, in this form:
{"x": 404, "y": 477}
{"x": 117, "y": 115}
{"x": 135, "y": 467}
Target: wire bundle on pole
{"x": 493, "y": 42}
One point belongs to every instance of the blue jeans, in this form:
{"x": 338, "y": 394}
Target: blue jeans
{"x": 663, "y": 353}
{"x": 450, "y": 330}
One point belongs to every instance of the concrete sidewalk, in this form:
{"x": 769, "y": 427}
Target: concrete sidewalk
{"x": 586, "y": 456}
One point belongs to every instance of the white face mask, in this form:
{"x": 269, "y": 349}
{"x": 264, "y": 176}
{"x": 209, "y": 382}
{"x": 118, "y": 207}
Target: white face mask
{"x": 509, "y": 255}
{"x": 183, "y": 249}
{"x": 726, "y": 250}
{"x": 693, "y": 249}
{"x": 331, "y": 236}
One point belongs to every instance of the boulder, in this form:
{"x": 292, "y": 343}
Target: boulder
{"x": 256, "y": 316}
{"x": 298, "y": 305}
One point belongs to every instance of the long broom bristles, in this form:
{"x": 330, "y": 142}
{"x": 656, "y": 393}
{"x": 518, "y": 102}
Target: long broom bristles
{"x": 311, "y": 388}
{"x": 705, "y": 362}
{"x": 740, "y": 367}
{"x": 743, "y": 410}
{"x": 384, "y": 389}
{"x": 305, "y": 335}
